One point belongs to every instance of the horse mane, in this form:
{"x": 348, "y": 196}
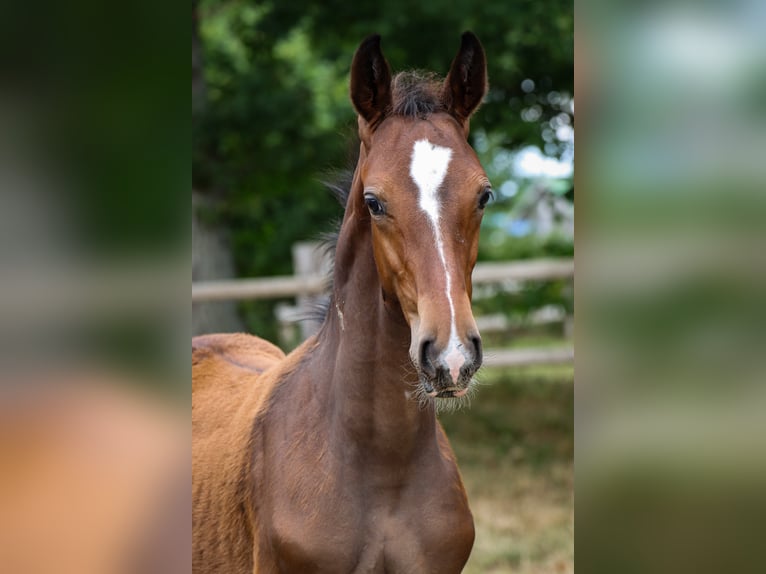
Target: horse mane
{"x": 416, "y": 94}
{"x": 338, "y": 184}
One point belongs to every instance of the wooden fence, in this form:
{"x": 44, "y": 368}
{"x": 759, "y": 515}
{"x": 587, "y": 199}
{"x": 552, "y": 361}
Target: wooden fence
{"x": 311, "y": 281}
{"x": 315, "y": 284}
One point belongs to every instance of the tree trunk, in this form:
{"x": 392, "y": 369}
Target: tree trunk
{"x": 211, "y": 259}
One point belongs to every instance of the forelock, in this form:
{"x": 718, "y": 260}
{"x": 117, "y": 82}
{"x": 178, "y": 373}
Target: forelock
{"x": 416, "y": 94}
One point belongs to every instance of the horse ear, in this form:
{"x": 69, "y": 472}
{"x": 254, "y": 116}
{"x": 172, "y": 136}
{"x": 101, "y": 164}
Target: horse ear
{"x": 466, "y": 83}
{"x": 371, "y": 81}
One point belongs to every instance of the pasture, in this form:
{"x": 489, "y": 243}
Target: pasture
{"x": 515, "y": 447}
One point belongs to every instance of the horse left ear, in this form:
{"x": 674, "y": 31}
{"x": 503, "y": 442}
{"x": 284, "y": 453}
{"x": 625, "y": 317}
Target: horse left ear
{"x": 371, "y": 81}
{"x": 466, "y": 83}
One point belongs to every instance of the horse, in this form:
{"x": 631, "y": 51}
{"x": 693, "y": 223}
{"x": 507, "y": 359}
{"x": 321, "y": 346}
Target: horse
{"x": 331, "y": 458}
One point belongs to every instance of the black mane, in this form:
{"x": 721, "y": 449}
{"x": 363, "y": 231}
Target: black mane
{"x": 416, "y": 94}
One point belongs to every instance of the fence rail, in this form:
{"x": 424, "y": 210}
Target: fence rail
{"x": 308, "y": 284}
{"x": 290, "y": 285}
{"x": 528, "y": 357}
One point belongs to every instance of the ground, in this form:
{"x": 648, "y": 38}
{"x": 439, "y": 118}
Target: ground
{"x": 515, "y": 448}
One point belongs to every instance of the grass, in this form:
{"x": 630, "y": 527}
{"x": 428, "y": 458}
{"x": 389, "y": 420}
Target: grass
{"x": 515, "y": 447}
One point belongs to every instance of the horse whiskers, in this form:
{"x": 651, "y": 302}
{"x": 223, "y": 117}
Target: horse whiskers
{"x": 451, "y": 405}
{"x": 444, "y": 404}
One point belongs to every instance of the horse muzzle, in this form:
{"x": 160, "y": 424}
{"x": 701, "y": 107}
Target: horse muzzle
{"x": 447, "y": 372}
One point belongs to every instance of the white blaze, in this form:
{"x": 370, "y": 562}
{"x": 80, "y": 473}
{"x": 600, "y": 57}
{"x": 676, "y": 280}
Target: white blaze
{"x": 428, "y": 169}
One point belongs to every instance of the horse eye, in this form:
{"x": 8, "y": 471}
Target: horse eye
{"x": 485, "y": 197}
{"x": 375, "y": 207}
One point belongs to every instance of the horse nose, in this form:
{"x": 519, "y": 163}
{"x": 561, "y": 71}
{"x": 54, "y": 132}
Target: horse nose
{"x": 478, "y": 356}
{"x": 462, "y": 359}
{"x": 428, "y": 356}
{"x": 452, "y": 362}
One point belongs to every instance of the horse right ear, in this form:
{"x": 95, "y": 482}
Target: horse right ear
{"x": 466, "y": 83}
{"x": 371, "y": 81}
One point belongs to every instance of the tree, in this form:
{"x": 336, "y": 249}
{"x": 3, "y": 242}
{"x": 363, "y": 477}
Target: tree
{"x": 277, "y": 115}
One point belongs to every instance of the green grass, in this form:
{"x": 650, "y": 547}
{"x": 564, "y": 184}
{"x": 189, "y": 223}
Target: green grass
{"x": 515, "y": 447}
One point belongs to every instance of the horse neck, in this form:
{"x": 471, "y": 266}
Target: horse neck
{"x": 367, "y": 340}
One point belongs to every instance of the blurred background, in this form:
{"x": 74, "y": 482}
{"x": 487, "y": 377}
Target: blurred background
{"x": 671, "y": 368}
{"x": 94, "y": 320}
{"x": 95, "y": 254}
{"x": 272, "y": 120}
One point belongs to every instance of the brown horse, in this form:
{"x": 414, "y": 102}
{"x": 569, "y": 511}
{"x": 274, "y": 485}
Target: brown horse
{"x": 331, "y": 459}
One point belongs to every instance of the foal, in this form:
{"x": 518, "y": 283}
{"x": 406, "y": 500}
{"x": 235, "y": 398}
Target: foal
{"x": 331, "y": 459}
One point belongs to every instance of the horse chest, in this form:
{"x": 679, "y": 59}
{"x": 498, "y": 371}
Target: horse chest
{"x": 356, "y": 530}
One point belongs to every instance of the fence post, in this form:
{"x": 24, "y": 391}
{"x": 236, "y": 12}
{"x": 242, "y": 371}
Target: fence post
{"x": 309, "y": 259}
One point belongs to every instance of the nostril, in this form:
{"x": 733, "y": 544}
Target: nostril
{"x": 476, "y": 341}
{"x": 426, "y": 347}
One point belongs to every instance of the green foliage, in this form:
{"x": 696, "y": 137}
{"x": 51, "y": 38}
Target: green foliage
{"x": 515, "y": 449}
{"x": 276, "y": 115}
{"x": 527, "y": 247}
{"x": 530, "y": 296}
{"x": 516, "y": 304}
